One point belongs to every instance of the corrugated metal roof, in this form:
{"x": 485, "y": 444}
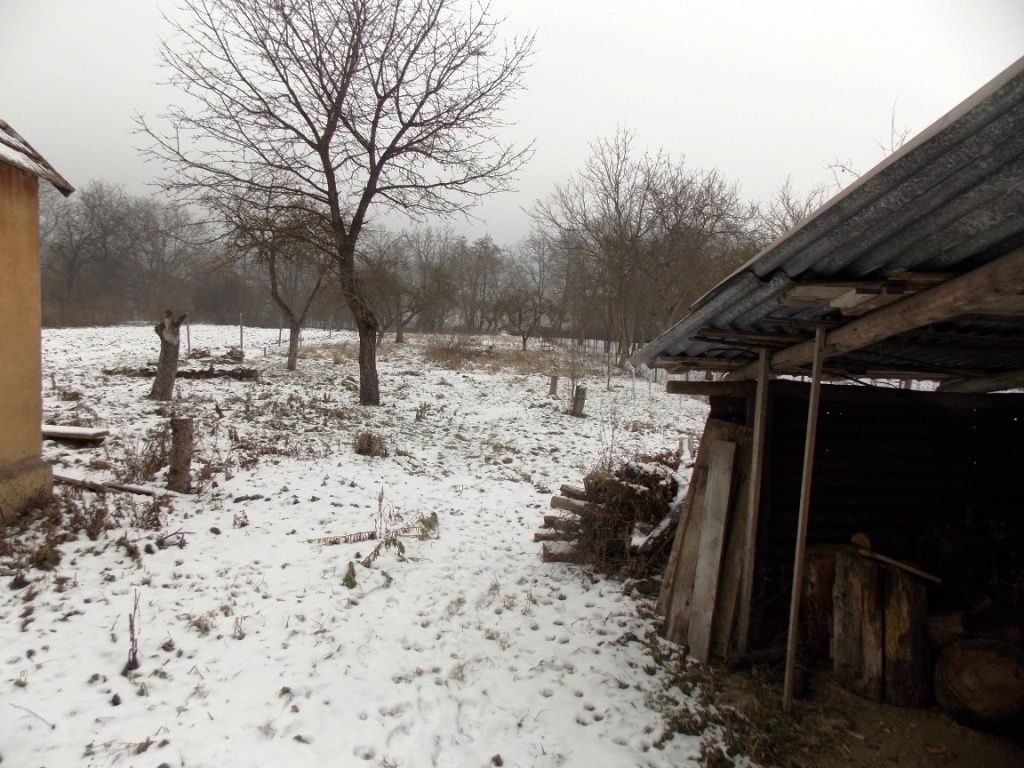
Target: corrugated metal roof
{"x": 15, "y": 151}
{"x": 948, "y": 201}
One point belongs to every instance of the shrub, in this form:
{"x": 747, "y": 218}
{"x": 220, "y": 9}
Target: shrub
{"x": 370, "y": 444}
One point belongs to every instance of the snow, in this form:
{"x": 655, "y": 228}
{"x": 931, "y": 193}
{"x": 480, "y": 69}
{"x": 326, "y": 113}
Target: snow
{"x": 252, "y": 651}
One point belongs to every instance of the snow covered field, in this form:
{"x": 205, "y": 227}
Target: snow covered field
{"x": 469, "y": 651}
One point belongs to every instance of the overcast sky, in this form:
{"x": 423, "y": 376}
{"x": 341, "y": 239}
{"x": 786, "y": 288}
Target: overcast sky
{"x": 758, "y": 89}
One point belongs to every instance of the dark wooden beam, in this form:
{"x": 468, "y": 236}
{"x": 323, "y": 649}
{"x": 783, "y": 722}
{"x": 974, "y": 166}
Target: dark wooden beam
{"x": 1002, "y": 278}
{"x": 699, "y": 363}
{"x": 711, "y": 388}
{"x": 981, "y": 384}
{"x": 748, "y": 338}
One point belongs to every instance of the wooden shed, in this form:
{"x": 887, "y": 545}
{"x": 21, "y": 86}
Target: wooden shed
{"x": 25, "y": 479}
{"x": 904, "y": 294}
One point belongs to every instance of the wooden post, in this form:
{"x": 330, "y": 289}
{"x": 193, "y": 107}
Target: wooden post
{"x": 179, "y": 473}
{"x": 814, "y": 400}
{"x": 241, "y": 333}
{"x": 579, "y": 400}
{"x": 754, "y": 500}
{"x": 553, "y": 387}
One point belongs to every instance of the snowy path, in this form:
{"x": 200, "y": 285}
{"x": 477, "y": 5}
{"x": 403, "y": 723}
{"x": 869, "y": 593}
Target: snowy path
{"x": 252, "y": 651}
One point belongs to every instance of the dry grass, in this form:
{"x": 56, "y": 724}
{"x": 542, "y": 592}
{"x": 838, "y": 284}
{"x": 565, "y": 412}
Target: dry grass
{"x": 458, "y": 352}
{"x": 337, "y": 353}
{"x": 370, "y": 444}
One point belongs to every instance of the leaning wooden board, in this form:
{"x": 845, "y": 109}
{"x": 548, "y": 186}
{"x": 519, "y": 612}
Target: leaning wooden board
{"x": 717, "y": 495}
{"x": 730, "y": 579}
{"x": 677, "y": 584}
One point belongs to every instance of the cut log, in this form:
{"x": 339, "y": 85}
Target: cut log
{"x": 554, "y": 535}
{"x": 559, "y": 552}
{"x": 576, "y": 507}
{"x": 561, "y": 523}
{"x": 75, "y": 434}
{"x": 709, "y": 554}
{"x": 907, "y": 662}
{"x": 816, "y": 614}
{"x": 981, "y": 681}
{"x": 857, "y": 647}
{"x": 573, "y": 492}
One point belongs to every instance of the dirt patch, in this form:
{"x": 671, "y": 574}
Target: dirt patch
{"x": 833, "y": 728}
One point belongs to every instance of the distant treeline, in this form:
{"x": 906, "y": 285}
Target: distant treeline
{"x": 618, "y": 252}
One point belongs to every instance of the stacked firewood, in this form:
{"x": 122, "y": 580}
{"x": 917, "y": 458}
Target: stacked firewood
{"x": 615, "y": 517}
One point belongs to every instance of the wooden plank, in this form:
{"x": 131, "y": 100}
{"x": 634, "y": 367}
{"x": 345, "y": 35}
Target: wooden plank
{"x": 810, "y": 442}
{"x": 677, "y": 583}
{"x": 985, "y": 286}
{"x": 709, "y": 553}
{"x": 724, "y": 625}
{"x": 753, "y": 504}
{"x": 76, "y": 434}
{"x": 711, "y": 388}
{"x": 899, "y": 564}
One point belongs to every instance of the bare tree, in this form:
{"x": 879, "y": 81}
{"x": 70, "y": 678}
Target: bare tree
{"x": 344, "y": 104}
{"x": 292, "y": 244}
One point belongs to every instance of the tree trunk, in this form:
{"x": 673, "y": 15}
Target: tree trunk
{"x": 369, "y": 386}
{"x": 179, "y": 474}
{"x": 167, "y": 367}
{"x": 294, "y": 331}
{"x": 525, "y": 338}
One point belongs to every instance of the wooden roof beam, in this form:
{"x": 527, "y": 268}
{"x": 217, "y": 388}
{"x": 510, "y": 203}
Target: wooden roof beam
{"x": 1002, "y": 279}
{"x": 982, "y": 384}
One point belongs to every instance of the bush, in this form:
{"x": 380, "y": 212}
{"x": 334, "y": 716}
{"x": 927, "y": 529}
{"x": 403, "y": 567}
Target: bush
{"x": 370, "y": 444}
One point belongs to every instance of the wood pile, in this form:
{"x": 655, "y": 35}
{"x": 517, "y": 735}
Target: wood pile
{"x": 615, "y": 519}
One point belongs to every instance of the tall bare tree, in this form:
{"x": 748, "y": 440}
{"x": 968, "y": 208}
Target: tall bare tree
{"x": 346, "y": 104}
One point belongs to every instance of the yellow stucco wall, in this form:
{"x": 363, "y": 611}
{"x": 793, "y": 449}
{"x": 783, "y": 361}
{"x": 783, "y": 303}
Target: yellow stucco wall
{"x": 24, "y": 478}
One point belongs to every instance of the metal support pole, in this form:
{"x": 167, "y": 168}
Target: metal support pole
{"x": 801, "y": 527}
{"x": 754, "y": 499}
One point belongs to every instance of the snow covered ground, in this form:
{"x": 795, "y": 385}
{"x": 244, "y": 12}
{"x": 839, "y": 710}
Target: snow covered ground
{"x": 469, "y": 651}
